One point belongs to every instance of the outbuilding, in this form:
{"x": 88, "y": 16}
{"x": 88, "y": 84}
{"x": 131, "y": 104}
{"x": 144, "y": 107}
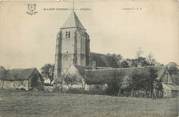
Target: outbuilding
{"x": 26, "y": 79}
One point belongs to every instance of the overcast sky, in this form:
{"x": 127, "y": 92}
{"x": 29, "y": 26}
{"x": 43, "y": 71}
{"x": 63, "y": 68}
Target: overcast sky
{"x": 114, "y": 26}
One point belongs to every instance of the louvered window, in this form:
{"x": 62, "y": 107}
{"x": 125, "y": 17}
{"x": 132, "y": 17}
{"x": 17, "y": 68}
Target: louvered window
{"x": 67, "y": 34}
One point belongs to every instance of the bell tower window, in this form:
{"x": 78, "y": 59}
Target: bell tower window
{"x": 67, "y": 34}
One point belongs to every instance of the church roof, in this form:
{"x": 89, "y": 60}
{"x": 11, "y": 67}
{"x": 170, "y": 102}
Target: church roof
{"x": 102, "y": 60}
{"x": 73, "y": 21}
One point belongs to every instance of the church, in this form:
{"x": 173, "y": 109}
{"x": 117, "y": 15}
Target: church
{"x": 72, "y": 46}
{"x": 74, "y": 60}
{"x": 73, "y": 50}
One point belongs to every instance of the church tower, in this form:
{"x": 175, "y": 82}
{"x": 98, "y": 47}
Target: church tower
{"x": 72, "y": 46}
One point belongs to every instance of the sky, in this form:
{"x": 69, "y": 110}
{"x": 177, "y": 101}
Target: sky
{"x": 114, "y": 26}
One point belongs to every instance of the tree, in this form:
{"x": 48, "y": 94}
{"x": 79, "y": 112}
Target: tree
{"x": 124, "y": 64}
{"x": 126, "y": 86}
{"x": 115, "y": 84}
{"x": 142, "y": 61}
{"x": 172, "y": 68}
{"x": 142, "y": 81}
{"x": 152, "y": 81}
{"x": 118, "y": 59}
{"x": 115, "y": 60}
{"x": 47, "y": 71}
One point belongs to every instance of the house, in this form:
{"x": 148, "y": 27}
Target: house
{"x": 99, "y": 79}
{"x": 76, "y": 78}
{"x": 102, "y": 78}
{"x": 26, "y": 79}
{"x": 170, "y": 90}
{"x": 90, "y": 79}
{"x": 170, "y": 82}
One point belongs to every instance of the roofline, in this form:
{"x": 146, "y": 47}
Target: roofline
{"x": 110, "y": 68}
{"x": 72, "y": 27}
{"x": 13, "y": 79}
{"x": 23, "y": 68}
{"x": 33, "y": 70}
{"x": 29, "y": 77}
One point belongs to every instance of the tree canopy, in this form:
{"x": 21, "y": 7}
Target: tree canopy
{"x": 47, "y": 71}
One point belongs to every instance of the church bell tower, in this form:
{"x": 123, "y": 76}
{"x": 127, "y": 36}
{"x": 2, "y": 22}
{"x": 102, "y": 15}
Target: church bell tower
{"x": 72, "y": 46}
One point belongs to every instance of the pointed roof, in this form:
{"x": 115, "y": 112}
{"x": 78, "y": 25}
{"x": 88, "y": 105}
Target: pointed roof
{"x": 73, "y": 22}
{"x": 165, "y": 76}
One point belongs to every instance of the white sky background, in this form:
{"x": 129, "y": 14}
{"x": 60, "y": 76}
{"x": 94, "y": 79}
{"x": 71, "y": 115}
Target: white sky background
{"x": 29, "y": 41}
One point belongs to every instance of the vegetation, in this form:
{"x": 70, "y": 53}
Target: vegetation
{"x": 70, "y": 79}
{"x": 47, "y": 71}
{"x": 129, "y": 82}
{"x": 172, "y": 68}
{"x": 141, "y": 83}
{"x": 140, "y": 60}
{"x": 39, "y": 104}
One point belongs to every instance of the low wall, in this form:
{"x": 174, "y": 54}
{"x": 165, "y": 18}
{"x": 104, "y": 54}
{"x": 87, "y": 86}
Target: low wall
{"x": 14, "y": 84}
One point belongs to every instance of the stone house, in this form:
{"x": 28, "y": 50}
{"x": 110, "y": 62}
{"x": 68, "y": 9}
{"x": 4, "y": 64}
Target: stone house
{"x": 25, "y": 79}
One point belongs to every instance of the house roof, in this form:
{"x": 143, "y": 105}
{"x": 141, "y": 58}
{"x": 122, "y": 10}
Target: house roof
{"x": 18, "y": 74}
{"x": 165, "y": 76}
{"x": 73, "y": 22}
{"x": 102, "y": 60}
{"x": 101, "y": 76}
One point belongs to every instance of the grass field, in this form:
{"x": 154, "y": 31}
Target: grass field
{"x": 39, "y": 104}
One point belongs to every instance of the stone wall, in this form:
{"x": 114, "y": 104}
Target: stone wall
{"x": 24, "y": 84}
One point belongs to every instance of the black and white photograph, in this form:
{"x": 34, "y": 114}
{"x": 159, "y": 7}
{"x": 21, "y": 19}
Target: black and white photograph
{"x": 89, "y": 58}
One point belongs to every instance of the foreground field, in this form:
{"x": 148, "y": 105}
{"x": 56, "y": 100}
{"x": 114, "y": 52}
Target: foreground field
{"x": 39, "y": 104}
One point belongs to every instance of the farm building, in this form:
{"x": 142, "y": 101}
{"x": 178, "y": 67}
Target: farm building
{"x": 98, "y": 79}
{"x": 170, "y": 90}
{"x": 107, "y": 77}
{"x": 75, "y": 78}
{"x": 20, "y": 79}
{"x": 170, "y": 82}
